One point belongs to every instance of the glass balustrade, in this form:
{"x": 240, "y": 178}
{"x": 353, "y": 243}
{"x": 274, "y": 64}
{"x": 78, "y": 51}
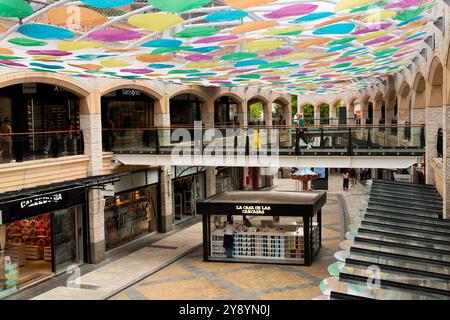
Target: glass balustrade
{"x": 268, "y": 140}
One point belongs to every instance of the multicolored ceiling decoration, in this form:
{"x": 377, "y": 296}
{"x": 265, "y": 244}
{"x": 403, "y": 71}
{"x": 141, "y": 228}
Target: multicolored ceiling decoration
{"x": 290, "y": 46}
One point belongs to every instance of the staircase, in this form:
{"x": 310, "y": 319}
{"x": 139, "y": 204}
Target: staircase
{"x": 399, "y": 251}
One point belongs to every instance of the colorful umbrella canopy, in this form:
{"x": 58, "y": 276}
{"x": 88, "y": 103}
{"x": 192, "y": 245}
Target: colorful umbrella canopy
{"x": 283, "y": 46}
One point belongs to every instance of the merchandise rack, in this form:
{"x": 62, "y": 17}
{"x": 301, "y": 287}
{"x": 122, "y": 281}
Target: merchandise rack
{"x": 280, "y": 245}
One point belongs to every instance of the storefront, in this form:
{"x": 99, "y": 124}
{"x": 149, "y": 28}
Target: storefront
{"x": 41, "y": 108}
{"x": 225, "y": 111}
{"x": 133, "y": 211}
{"x": 188, "y": 188}
{"x": 228, "y": 179}
{"x": 280, "y": 227}
{"x": 44, "y": 230}
{"x": 258, "y": 178}
{"x": 185, "y": 109}
{"x": 126, "y": 111}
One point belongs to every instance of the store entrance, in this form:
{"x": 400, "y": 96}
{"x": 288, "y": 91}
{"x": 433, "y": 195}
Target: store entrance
{"x": 45, "y": 244}
{"x": 187, "y": 191}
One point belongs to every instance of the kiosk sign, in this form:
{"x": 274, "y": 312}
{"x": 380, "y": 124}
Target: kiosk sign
{"x": 253, "y": 209}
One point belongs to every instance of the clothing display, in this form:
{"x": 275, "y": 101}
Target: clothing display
{"x": 130, "y": 215}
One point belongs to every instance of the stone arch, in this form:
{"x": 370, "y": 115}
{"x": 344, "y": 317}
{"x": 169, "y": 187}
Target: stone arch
{"x": 435, "y": 84}
{"x": 87, "y": 103}
{"x": 418, "y": 99}
{"x": 266, "y": 108}
{"x": 367, "y": 109}
{"x": 379, "y": 108}
{"x": 448, "y": 75}
{"x": 404, "y": 103}
{"x": 201, "y": 95}
{"x": 391, "y": 105}
{"x": 351, "y": 107}
{"x": 285, "y": 105}
{"x": 155, "y": 95}
{"x": 323, "y": 112}
{"x": 240, "y": 112}
{"x": 202, "y": 103}
{"x": 309, "y": 112}
{"x": 55, "y": 79}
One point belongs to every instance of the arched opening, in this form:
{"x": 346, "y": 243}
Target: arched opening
{"x": 448, "y": 75}
{"x": 51, "y": 113}
{"x": 226, "y": 111}
{"x": 418, "y": 100}
{"x": 435, "y": 81}
{"x": 340, "y": 111}
{"x": 308, "y": 113}
{"x": 404, "y": 103}
{"x": 258, "y": 111}
{"x": 127, "y": 116}
{"x": 369, "y": 119}
{"x": 280, "y": 112}
{"x": 185, "y": 109}
{"x": 324, "y": 109}
{"x": 365, "y": 110}
{"x": 379, "y": 110}
{"x": 391, "y": 107}
{"x": 351, "y": 110}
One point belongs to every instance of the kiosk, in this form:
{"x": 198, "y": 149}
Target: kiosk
{"x": 280, "y": 227}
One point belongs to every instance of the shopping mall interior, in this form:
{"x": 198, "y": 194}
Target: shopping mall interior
{"x": 224, "y": 149}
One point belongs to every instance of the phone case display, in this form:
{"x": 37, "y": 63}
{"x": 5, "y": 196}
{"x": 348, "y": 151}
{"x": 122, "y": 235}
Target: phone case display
{"x": 266, "y": 243}
{"x": 34, "y": 233}
{"x": 129, "y": 216}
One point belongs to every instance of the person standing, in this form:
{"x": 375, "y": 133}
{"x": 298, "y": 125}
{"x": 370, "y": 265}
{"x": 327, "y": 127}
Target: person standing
{"x": 228, "y": 238}
{"x": 345, "y": 180}
{"x": 6, "y": 140}
{"x": 70, "y": 142}
{"x": 300, "y": 133}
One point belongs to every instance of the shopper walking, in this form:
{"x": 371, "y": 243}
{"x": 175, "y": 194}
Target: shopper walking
{"x": 228, "y": 238}
{"x": 345, "y": 180}
{"x": 6, "y": 140}
{"x": 301, "y": 133}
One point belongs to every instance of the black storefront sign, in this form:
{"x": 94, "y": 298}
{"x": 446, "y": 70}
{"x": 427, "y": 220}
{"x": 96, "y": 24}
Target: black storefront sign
{"x": 24, "y": 208}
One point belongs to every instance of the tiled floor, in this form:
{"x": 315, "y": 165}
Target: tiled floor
{"x": 192, "y": 278}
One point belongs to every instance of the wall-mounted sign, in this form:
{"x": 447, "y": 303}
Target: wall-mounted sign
{"x": 253, "y": 209}
{"x": 29, "y": 87}
{"x": 59, "y": 89}
{"x": 109, "y": 190}
{"x": 131, "y": 92}
{"x": 40, "y": 201}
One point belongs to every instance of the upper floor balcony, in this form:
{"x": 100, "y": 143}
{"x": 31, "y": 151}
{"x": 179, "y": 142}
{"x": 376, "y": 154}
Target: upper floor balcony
{"x": 368, "y": 146}
{"x": 321, "y": 140}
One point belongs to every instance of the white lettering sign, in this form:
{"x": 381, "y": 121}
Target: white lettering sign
{"x": 41, "y": 201}
{"x": 253, "y": 209}
{"x": 131, "y": 92}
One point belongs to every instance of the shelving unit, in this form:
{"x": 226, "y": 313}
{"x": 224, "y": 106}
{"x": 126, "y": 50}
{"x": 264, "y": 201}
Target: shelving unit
{"x": 287, "y": 246}
{"x": 17, "y": 253}
{"x": 285, "y": 226}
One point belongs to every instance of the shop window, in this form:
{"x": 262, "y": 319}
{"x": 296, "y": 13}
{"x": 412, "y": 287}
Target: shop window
{"x": 130, "y": 215}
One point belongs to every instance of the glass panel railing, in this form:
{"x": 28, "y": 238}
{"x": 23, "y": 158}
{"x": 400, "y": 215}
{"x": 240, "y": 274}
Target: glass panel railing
{"x": 18, "y": 147}
{"x": 130, "y": 141}
{"x": 253, "y": 140}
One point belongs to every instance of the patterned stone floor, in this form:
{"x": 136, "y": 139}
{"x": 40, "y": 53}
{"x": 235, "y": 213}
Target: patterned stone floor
{"x": 191, "y": 278}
